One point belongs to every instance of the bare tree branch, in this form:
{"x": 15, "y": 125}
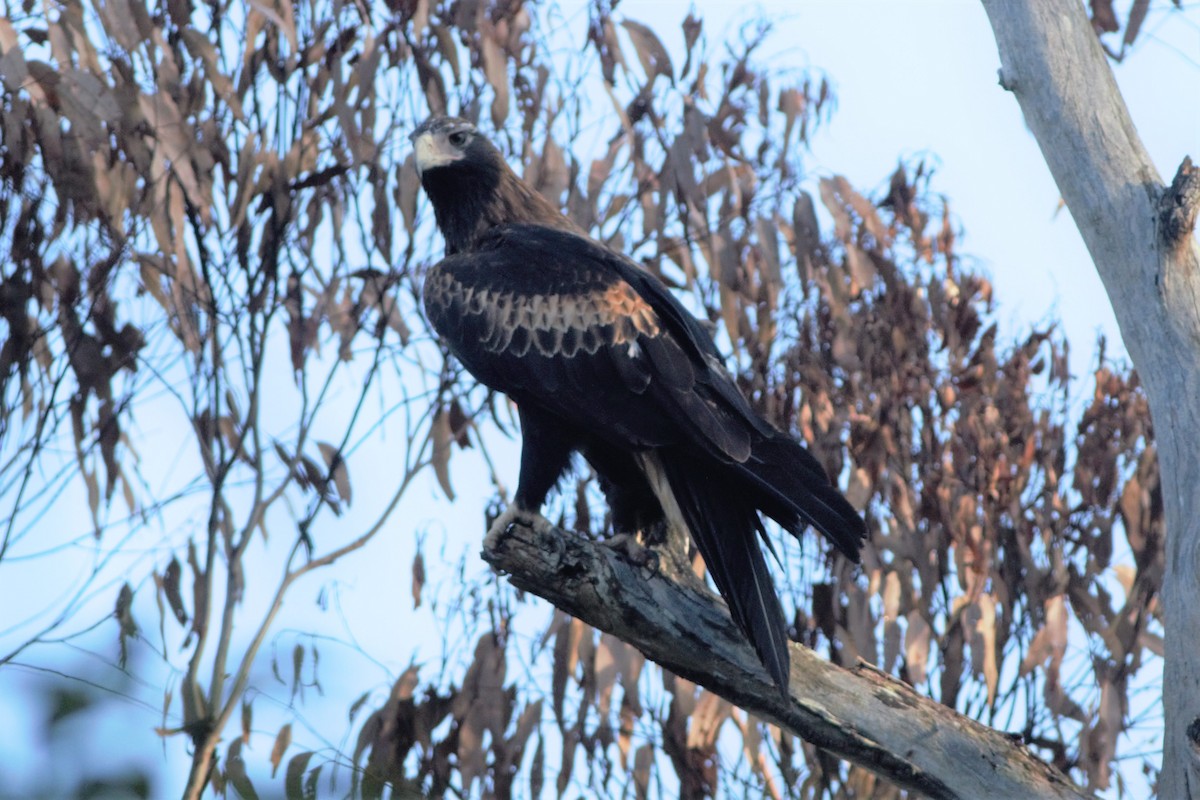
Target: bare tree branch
{"x": 862, "y": 715}
{"x": 1053, "y": 64}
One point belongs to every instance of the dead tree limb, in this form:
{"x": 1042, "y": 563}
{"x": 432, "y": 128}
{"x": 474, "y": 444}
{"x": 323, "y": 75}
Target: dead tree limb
{"x": 862, "y": 714}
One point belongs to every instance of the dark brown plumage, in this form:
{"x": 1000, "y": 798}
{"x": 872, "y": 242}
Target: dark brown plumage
{"x": 601, "y": 359}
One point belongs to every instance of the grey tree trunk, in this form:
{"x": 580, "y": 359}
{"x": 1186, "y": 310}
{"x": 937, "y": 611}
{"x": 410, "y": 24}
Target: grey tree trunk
{"x": 862, "y": 715}
{"x": 1139, "y": 233}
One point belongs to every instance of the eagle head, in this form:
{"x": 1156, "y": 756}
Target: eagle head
{"x": 471, "y": 186}
{"x": 441, "y": 141}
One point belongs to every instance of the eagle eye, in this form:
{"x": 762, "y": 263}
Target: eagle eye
{"x": 459, "y": 138}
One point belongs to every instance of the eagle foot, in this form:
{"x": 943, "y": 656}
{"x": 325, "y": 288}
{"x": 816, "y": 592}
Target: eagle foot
{"x": 637, "y": 553}
{"x": 514, "y": 516}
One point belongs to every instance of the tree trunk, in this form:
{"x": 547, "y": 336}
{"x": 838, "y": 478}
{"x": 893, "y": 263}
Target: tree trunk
{"x": 1139, "y": 233}
{"x": 862, "y": 715}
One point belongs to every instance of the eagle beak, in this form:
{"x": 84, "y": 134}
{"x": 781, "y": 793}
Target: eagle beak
{"x": 422, "y": 150}
{"x": 432, "y": 150}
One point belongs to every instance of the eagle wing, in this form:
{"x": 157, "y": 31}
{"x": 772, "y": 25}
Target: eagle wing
{"x": 553, "y": 319}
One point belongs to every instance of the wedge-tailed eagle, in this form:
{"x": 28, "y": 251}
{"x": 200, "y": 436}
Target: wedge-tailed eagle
{"x": 601, "y": 359}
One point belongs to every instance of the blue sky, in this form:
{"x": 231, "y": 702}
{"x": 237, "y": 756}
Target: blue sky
{"x": 914, "y": 79}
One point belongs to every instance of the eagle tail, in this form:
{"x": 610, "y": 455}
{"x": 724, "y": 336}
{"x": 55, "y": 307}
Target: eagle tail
{"x": 725, "y": 526}
{"x": 797, "y": 492}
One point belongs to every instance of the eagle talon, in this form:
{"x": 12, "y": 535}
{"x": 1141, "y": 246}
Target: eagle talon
{"x": 514, "y": 516}
{"x": 634, "y": 551}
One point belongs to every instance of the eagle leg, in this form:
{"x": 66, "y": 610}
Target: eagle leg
{"x": 546, "y": 446}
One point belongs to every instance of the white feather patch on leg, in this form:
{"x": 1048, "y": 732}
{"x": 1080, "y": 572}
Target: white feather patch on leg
{"x": 678, "y": 533}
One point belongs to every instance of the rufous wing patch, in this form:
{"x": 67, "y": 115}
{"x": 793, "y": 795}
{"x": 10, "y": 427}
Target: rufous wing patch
{"x": 551, "y": 324}
{"x": 624, "y": 303}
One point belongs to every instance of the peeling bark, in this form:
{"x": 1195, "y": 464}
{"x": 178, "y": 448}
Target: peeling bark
{"x": 862, "y": 714}
{"x": 1177, "y": 210}
{"x": 1140, "y": 235}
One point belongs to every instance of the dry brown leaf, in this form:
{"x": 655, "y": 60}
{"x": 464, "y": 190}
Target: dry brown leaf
{"x": 952, "y": 664}
{"x": 201, "y": 47}
{"x": 566, "y": 655}
{"x": 293, "y": 781}
{"x": 482, "y": 706}
{"x": 123, "y": 20}
{"x": 419, "y": 18}
{"x": 176, "y": 139}
{"x": 1133, "y": 25}
{"x": 917, "y": 638}
{"x": 861, "y": 269}
{"x": 861, "y": 622}
{"x": 381, "y": 216}
{"x": 407, "y": 184}
{"x": 418, "y": 578}
{"x": 806, "y": 236}
{"x": 527, "y": 723}
{"x": 171, "y": 581}
{"x": 433, "y": 86}
{"x": 537, "y": 770}
{"x": 841, "y": 218}
{"x": 1100, "y": 742}
{"x": 985, "y": 643}
{"x": 337, "y": 469}
{"x": 892, "y": 639}
{"x": 406, "y": 685}
{"x": 247, "y": 720}
{"x": 235, "y": 771}
{"x": 704, "y": 723}
{"x": 553, "y": 175}
{"x": 606, "y": 671}
{"x": 283, "y": 19}
{"x": 611, "y": 53}
{"x": 13, "y": 69}
{"x": 283, "y": 741}
{"x": 1134, "y": 503}
{"x": 442, "y": 437}
{"x": 297, "y": 668}
{"x": 692, "y": 26}
{"x": 1152, "y": 642}
{"x": 651, "y": 54}
{"x": 1104, "y": 19}
{"x": 1038, "y": 652}
{"x": 597, "y": 176}
{"x": 768, "y": 242}
{"x": 570, "y": 746}
{"x": 625, "y": 733}
{"x": 683, "y": 693}
{"x": 751, "y": 741}
{"x": 891, "y": 596}
{"x": 367, "y": 734}
{"x": 859, "y": 490}
{"x": 495, "y": 68}
{"x": 1056, "y": 631}
{"x": 643, "y": 761}
{"x": 586, "y": 657}
{"x": 1061, "y": 704}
